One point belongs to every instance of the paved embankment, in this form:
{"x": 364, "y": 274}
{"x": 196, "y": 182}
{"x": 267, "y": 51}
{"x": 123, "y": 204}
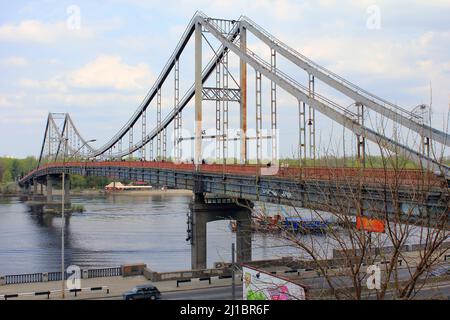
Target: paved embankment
{"x": 116, "y": 286}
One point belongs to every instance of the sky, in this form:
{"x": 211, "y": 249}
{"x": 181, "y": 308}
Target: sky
{"x": 97, "y": 59}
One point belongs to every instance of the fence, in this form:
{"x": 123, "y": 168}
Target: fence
{"x": 56, "y": 276}
{"x": 23, "y": 278}
{"x": 105, "y": 272}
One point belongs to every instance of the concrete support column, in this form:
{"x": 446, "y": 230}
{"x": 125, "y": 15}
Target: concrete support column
{"x": 49, "y": 189}
{"x": 34, "y": 187}
{"x": 243, "y": 240}
{"x": 198, "y": 246}
{"x": 67, "y": 189}
{"x": 204, "y": 211}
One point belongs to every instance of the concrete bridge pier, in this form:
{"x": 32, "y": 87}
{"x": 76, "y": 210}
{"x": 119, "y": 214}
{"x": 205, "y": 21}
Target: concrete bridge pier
{"x": 37, "y": 193}
{"x": 67, "y": 189}
{"x": 52, "y": 181}
{"x": 26, "y": 189}
{"x": 49, "y": 189}
{"x": 206, "y": 210}
{"x": 35, "y": 185}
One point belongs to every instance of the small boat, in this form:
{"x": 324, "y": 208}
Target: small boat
{"x": 300, "y": 225}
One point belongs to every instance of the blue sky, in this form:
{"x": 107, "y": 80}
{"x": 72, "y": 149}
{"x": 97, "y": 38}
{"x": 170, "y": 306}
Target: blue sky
{"x": 100, "y": 72}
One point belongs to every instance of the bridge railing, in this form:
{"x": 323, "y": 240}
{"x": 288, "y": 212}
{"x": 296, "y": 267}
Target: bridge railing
{"x": 372, "y": 175}
{"x": 23, "y": 278}
{"x": 56, "y": 276}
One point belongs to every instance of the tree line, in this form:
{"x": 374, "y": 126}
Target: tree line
{"x": 12, "y": 169}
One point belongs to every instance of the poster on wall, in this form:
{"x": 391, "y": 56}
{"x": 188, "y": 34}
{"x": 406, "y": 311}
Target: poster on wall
{"x": 261, "y": 285}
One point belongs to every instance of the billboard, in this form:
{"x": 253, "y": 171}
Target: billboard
{"x": 370, "y": 225}
{"x": 261, "y": 285}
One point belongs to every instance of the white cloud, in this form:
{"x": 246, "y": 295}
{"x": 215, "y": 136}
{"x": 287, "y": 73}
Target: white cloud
{"x": 30, "y": 117}
{"x": 15, "y": 62}
{"x": 39, "y": 32}
{"x": 110, "y": 72}
{"x": 90, "y": 100}
{"x": 4, "y": 102}
{"x": 56, "y": 83}
{"x": 105, "y": 72}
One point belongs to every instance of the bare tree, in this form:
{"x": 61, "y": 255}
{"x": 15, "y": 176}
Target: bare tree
{"x": 411, "y": 205}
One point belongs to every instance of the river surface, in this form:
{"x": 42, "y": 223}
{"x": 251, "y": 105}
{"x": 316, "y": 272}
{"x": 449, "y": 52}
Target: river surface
{"x": 115, "y": 229}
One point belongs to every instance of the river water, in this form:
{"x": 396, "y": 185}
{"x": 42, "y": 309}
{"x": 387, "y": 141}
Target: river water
{"x": 114, "y": 229}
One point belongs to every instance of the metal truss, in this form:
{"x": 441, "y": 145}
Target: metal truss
{"x": 60, "y": 139}
{"x": 225, "y": 26}
{"x": 302, "y": 133}
{"x": 258, "y": 100}
{"x": 130, "y": 143}
{"x": 214, "y": 94}
{"x": 312, "y": 120}
{"x": 228, "y": 33}
{"x": 273, "y": 106}
{"x": 178, "y": 118}
{"x": 225, "y": 74}
{"x": 221, "y": 94}
{"x": 377, "y": 104}
{"x": 144, "y": 133}
{"x": 322, "y": 104}
{"x": 360, "y": 140}
{"x": 158, "y": 125}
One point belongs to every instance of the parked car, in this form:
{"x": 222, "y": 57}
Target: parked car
{"x": 146, "y": 291}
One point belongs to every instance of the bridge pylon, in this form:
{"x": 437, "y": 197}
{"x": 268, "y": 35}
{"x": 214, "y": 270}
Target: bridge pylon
{"x": 204, "y": 210}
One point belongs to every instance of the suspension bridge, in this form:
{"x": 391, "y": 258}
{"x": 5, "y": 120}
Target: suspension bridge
{"x": 137, "y": 154}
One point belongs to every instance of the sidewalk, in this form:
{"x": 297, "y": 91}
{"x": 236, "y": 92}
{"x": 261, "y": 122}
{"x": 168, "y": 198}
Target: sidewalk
{"x": 116, "y": 285}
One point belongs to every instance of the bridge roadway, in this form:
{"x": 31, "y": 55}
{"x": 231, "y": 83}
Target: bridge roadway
{"x": 319, "y": 187}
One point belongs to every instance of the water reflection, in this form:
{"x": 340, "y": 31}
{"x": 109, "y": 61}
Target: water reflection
{"x": 114, "y": 229}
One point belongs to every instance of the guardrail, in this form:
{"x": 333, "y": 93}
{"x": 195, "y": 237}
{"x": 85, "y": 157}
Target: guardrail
{"x": 209, "y": 279}
{"x": 48, "y": 293}
{"x": 56, "y": 276}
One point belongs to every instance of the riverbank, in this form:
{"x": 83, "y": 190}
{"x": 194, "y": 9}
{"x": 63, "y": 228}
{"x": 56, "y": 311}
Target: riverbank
{"x": 87, "y": 192}
{"x": 133, "y": 192}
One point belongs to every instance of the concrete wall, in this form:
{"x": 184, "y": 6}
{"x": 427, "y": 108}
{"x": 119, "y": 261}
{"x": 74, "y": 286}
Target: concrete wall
{"x": 185, "y": 274}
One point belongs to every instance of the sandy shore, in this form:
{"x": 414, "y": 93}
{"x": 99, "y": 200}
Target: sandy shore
{"x": 134, "y": 192}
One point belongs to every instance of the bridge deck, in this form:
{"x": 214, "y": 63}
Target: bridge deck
{"x": 368, "y": 175}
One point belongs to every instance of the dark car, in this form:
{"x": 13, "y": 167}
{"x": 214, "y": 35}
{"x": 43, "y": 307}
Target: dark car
{"x": 146, "y": 291}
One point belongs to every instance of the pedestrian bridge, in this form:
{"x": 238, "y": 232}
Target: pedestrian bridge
{"x": 421, "y": 194}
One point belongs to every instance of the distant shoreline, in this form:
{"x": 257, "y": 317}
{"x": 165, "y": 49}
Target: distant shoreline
{"x": 150, "y": 192}
{"x": 104, "y": 192}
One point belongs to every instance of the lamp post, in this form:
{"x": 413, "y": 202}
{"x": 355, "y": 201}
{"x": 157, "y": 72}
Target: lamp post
{"x": 63, "y": 218}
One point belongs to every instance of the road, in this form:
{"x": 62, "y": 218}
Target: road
{"x": 217, "y": 293}
{"x": 221, "y": 293}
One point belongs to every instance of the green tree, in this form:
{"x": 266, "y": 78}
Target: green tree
{"x": 15, "y": 169}
{"x": 7, "y": 177}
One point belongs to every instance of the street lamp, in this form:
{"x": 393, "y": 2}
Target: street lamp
{"x": 63, "y": 219}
